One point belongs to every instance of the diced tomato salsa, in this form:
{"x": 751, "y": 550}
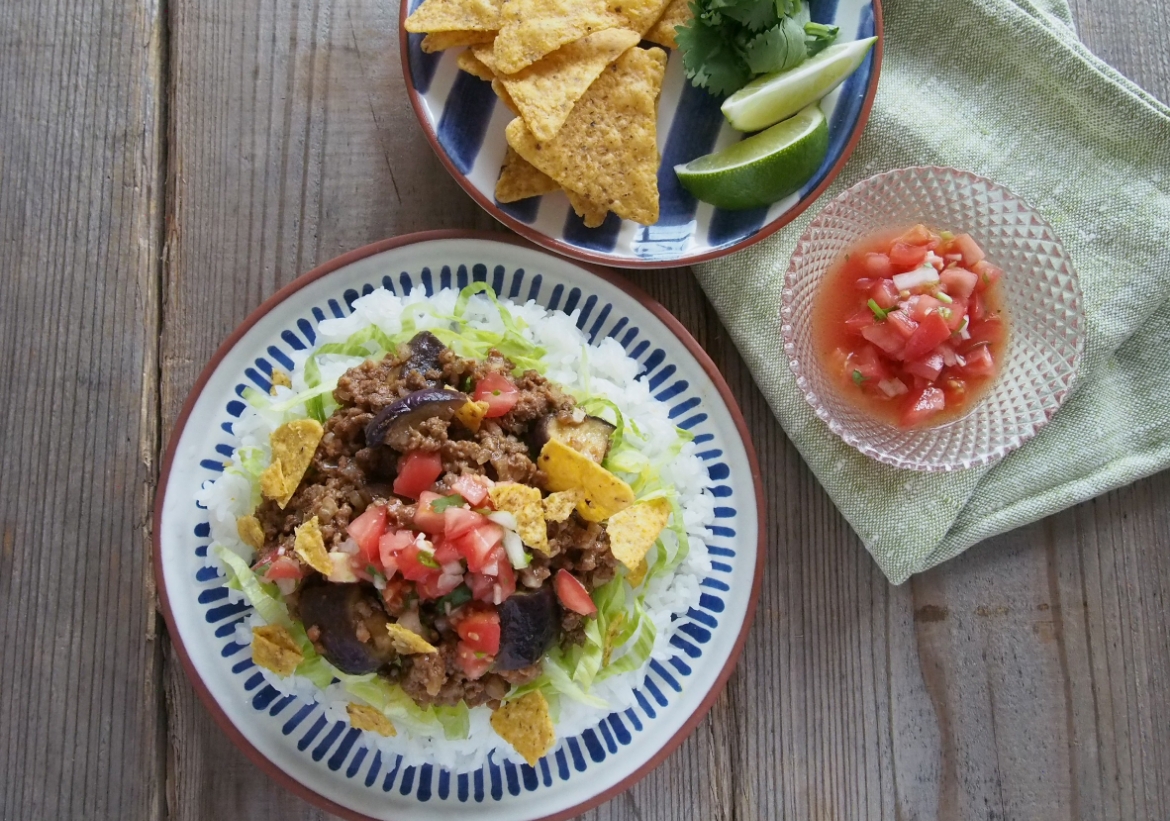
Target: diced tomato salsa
{"x": 912, "y": 325}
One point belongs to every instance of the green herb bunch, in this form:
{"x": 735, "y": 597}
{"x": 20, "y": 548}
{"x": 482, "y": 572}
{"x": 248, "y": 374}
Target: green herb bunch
{"x": 728, "y": 42}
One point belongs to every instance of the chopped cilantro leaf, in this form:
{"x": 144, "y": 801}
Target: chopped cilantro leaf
{"x": 444, "y": 502}
{"x": 878, "y": 312}
{"x": 427, "y": 560}
{"x": 858, "y": 378}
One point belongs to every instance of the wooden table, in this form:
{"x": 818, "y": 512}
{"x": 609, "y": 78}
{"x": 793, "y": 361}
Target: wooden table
{"x": 165, "y": 166}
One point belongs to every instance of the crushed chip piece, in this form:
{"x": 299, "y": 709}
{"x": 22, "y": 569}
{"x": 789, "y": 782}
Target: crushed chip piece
{"x": 520, "y": 179}
{"x": 293, "y": 446}
{"x": 546, "y": 91}
{"x": 407, "y": 642}
{"x": 310, "y": 546}
{"x": 592, "y": 215}
{"x": 526, "y": 724}
{"x": 678, "y": 13}
{"x": 633, "y": 531}
{"x": 274, "y": 648}
{"x": 365, "y": 717}
{"x": 471, "y": 414}
{"x": 559, "y": 506}
{"x": 251, "y": 531}
{"x": 523, "y": 502}
{"x": 454, "y": 15}
{"x": 530, "y": 29}
{"x": 272, "y": 482}
{"x": 280, "y": 379}
{"x": 639, "y": 15}
{"x": 635, "y": 576}
{"x": 506, "y": 98}
{"x": 604, "y": 493}
{"x": 607, "y": 149}
{"x": 467, "y": 61}
{"x": 443, "y": 40}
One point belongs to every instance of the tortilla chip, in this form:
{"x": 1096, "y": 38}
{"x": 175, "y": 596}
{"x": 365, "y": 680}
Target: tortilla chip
{"x": 505, "y": 97}
{"x": 365, "y": 717}
{"x": 523, "y": 502}
{"x": 530, "y": 29}
{"x": 526, "y": 724}
{"x": 280, "y": 379}
{"x": 633, "y": 531}
{"x": 310, "y": 546}
{"x": 592, "y": 215}
{"x": 639, "y": 15}
{"x": 274, "y": 648}
{"x": 607, "y": 149}
{"x": 546, "y": 91}
{"x": 293, "y": 446}
{"x": 635, "y": 576}
{"x": 251, "y": 531}
{"x": 678, "y": 13}
{"x": 605, "y": 494}
{"x": 454, "y": 15}
{"x": 272, "y": 483}
{"x": 407, "y": 642}
{"x": 471, "y": 414}
{"x": 520, "y": 179}
{"x": 443, "y": 40}
{"x": 467, "y": 61}
{"x": 559, "y": 506}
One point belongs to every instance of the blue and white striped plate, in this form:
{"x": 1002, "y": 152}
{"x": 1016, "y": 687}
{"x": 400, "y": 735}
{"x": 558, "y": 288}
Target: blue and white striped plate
{"x": 464, "y": 121}
{"x": 321, "y": 759}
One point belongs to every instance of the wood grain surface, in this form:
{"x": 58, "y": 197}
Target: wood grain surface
{"x": 164, "y": 167}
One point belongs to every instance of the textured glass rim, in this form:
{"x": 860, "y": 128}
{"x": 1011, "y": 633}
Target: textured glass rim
{"x": 797, "y": 270}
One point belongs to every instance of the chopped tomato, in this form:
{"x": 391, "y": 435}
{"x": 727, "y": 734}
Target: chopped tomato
{"x": 868, "y": 365}
{"x": 417, "y": 471}
{"x": 367, "y": 528}
{"x": 920, "y": 305}
{"x": 905, "y": 257}
{"x": 283, "y": 568}
{"x": 438, "y": 585}
{"x": 472, "y": 488}
{"x": 416, "y": 564}
{"x": 481, "y": 586}
{"x": 901, "y": 323}
{"x": 573, "y": 594}
{"x": 969, "y": 248}
{"x": 878, "y": 265}
{"x": 445, "y": 551}
{"x": 476, "y": 545}
{"x": 479, "y": 627}
{"x": 928, "y": 368}
{"x": 931, "y": 331}
{"x": 505, "y": 584}
{"x": 979, "y": 362}
{"x": 396, "y": 594}
{"x": 860, "y": 320}
{"x": 886, "y": 338}
{"x": 389, "y": 545}
{"x": 425, "y": 518}
{"x": 499, "y": 393}
{"x": 959, "y": 282}
{"x": 918, "y": 235}
{"x": 459, "y": 520}
{"x": 926, "y": 405}
{"x": 473, "y": 664}
{"x": 988, "y": 276}
{"x": 884, "y": 293}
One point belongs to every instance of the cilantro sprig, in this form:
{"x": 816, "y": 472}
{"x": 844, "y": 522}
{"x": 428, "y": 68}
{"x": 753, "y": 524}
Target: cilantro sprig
{"x": 728, "y": 42}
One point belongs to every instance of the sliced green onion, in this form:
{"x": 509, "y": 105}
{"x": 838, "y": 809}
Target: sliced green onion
{"x": 858, "y": 378}
{"x": 878, "y": 311}
{"x": 941, "y": 296}
{"x": 427, "y": 560}
{"x": 945, "y": 313}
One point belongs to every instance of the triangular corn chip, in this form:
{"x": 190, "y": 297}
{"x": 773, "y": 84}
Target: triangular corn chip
{"x": 678, "y": 13}
{"x": 407, "y": 642}
{"x": 454, "y": 15}
{"x": 274, "y": 648}
{"x": 592, "y": 215}
{"x": 560, "y": 505}
{"x": 607, "y": 149}
{"x": 640, "y": 15}
{"x": 633, "y": 531}
{"x": 442, "y": 40}
{"x": 250, "y": 530}
{"x": 520, "y": 179}
{"x": 365, "y": 717}
{"x": 523, "y": 502}
{"x": 531, "y": 29}
{"x": 504, "y": 96}
{"x": 474, "y": 66}
{"x": 293, "y": 446}
{"x": 525, "y": 723}
{"x": 566, "y": 469}
{"x": 309, "y": 544}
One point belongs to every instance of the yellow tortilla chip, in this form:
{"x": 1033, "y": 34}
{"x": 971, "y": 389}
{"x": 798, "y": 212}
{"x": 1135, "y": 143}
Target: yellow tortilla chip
{"x": 607, "y": 149}
{"x": 546, "y": 91}
{"x": 272, "y": 483}
{"x": 560, "y": 505}
{"x": 633, "y": 531}
{"x": 443, "y": 40}
{"x": 365, "y": 717}
{"x": 407, "y": 642}
{"x": 280, "y": 379}
{"x": 454, "y": 15}
{"x": 274, "y": 648}
{"x": 530, "y": 29}
{"x": 640, "y": 15}
{"x": 592, "y": 215}
{"x": 293, "y": 446}
{"x": 504, "y": 96}
{"x": 467, "y": 61}
{"x": 605, "y": 494}
{"x": 520, "y": 179}
{"x": 310, "y": 546}
{"x": 635, "y": 576}
{"x": 471, "y": 414}
{"x": 526, "y": 724}
{"x": 251, "y": 531}
{"x": 523, "y": 502}
{"x": 678, "y": 13}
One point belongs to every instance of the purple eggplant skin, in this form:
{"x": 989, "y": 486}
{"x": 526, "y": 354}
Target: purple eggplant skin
{"x": 399, "y": 416}
{"x": 425, "y": 349}
{"x": 591, "y": 436}
{"x": 336, "y": 611}
{"x": 528, "y": 627}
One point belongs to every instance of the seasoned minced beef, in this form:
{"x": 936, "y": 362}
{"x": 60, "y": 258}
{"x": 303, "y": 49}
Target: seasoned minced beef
{"x": 348, "y": 474}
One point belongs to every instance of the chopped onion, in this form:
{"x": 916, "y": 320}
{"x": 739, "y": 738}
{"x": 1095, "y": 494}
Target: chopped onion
{"x": 503, "y": 518}
{"x": 514, "y": 547}
{"x": 893, "y": 387}
{"x": 934, "y": 260}
{"x": 287, "y": 586}
{"x": 452, "y": 569}
{"x": 922, "y": 275}
{"x": 349, "y": 546}
{"x": 948, "y": 355}
{"x": 342, "y": 571}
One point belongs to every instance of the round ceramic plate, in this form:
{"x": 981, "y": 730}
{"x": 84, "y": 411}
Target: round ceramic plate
{"x": 323, "y": 760}
{"x": 464, "y": 121}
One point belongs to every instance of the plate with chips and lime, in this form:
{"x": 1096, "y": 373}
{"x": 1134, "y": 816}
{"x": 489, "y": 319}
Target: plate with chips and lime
{"x": 649, "y": 133}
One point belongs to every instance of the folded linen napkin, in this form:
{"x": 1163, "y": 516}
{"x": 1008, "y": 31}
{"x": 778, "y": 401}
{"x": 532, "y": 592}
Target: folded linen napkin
{"x": 1006, "y": 90}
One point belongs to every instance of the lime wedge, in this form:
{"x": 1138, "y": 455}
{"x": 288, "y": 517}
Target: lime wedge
{"x": 774, "y": 97}
{"x": 763, "y": 168}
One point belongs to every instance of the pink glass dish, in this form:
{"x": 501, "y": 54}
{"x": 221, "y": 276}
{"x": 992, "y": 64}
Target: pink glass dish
{"x": 1042, "y": 298}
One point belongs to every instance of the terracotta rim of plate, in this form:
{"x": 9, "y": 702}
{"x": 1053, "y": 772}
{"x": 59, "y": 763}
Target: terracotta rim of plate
{"x": 565, "y": 249}
{"x": 680, "y": 332}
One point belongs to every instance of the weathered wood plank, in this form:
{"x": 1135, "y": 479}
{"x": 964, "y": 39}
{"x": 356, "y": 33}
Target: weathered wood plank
{"x": 80, "y": 218}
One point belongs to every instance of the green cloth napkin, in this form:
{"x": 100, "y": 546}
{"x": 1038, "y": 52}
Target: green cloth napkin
{"x": 1004, "y": 89}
